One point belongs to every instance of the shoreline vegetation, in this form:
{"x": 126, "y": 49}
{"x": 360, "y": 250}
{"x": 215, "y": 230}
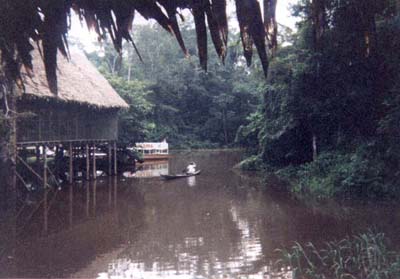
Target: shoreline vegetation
{"x": 366, "y": 255}
{"x": 339, "y": 177}
{"x": 329, "y": 123}
{"x": 326, "y": 120}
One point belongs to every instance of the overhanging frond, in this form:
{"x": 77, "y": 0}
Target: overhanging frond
{"x": 22, "y": 22}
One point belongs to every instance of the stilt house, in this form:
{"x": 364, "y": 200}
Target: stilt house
{"x": 85, "y": 108}
{"x": 82, "y": 116}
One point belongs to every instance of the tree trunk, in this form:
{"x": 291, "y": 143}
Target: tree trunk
{"x": 319, "y": 22}
{"x": 397, "y": 7}
{"x": 225, "y": 126}
{"x": 8, "y": 143}
{"x": 129, "y": 71}
{"x": 314, "y": 147}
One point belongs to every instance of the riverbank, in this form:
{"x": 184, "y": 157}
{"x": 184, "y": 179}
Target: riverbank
{"x": 366, "y": 255}
{"x": 339, "y": 175}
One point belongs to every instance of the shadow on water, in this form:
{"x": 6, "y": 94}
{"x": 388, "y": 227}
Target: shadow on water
{"x": 220, "y": 224}
{"x": 56, "y": 233}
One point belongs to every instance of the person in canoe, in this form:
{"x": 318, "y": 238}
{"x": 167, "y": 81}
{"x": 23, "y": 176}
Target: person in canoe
{"x": 191, "y": 168}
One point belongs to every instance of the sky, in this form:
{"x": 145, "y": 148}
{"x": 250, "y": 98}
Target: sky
{"x": 86, "y": 38}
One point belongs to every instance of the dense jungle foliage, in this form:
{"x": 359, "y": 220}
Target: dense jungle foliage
{"x": 331, "y": 114}
{"x": 327, "y": 119}
{"x": 172, "y": 97}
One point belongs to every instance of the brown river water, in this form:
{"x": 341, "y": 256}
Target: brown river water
{"x": 220, "y": 224}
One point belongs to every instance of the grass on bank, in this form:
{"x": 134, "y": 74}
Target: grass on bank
{"x": 360, "y": 173}
{"x": 364, "y": 256}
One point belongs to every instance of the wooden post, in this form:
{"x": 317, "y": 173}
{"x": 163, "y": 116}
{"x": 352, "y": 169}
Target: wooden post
{"x": 94, "y": 161}
{"x": 109, "y": 159}
{"x": 71, "y": 205}
{"x": 57, "y": 162}
{"x": 71, "y": 162}
{"x": 115, "y": 159}
{"x": 45, "y": 213}
{"x": 94, "y": 204}
{"x": 87, "y": 185}
{"x": 110, "y": 191}
{"x": 40, "y": 129}
{"x": 87, "y": 162}
{"x": 45, "y": 167}
{"x": 37, "y": 163}
{"x": 115, "y": 192}
{"x": 29, "y": 168}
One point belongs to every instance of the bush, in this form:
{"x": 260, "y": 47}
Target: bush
{"x": 362, "y": 256}
{"x": 253, "y": 163}
{"x": 361, "y": 174}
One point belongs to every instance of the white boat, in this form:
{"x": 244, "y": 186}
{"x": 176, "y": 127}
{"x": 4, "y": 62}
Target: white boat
{"x": 153, "y": 150}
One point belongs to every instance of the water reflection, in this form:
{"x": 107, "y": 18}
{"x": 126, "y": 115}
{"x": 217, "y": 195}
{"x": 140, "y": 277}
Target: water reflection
{"x": 60, "y": 232}
{"x": 215, "y": 225}
{"x": 233, "y": 249}
{"x": 149, "y": 169}
{"x": 191, "y": 180}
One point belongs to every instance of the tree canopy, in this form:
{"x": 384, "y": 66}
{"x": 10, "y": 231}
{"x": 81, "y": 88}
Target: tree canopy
{"x": 175, "y": 99}
{"x": 49, "y": 22}
{"x": 332, "y": 100}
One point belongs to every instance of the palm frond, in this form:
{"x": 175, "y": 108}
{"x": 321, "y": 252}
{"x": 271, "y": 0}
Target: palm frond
{"x": 48, "y": 21}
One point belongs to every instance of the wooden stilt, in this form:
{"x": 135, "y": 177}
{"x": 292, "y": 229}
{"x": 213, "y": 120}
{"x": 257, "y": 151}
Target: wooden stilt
{"x": 71, "y": 205}
{"x": 94, "y": 197}
{"x": 24, "y": 153}
{"x": 29, "y": 168}
{"x": 109, "y": 159}
{"x": 115, "y": 159}
{"x": 109, "y": 191}
{"x": 115, "y": 191}
{"x": 22, "y": 180}
{"x": 54, "y": 177}
{"x": 45, "y": 166}
{"x": 94, "y": 162}
{"x": 87, "y": 162}
{"x": 37, "y": 157}
{"x": 57, "y": 162}
{"x": 87, "y": 185}
{"x": 45, "y": 212}
{"x": 71, "y": 162}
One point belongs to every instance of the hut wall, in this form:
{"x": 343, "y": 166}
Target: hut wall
{"x": 44, "y": 121}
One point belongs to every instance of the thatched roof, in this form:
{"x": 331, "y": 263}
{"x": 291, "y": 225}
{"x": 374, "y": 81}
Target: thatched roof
{"x": 48, "y": 20}
{"x": 78, "y": 82}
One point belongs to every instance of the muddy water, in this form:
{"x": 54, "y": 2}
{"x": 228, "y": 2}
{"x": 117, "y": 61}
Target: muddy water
{"x": 220, "y": 224}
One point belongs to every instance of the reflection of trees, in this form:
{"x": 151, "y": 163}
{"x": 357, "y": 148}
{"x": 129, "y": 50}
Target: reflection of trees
{"x": 213, "y": 228}
{"x": 82, "y": 223}
{"x": 184, "y": 237}
{"x": 224, "y": 225}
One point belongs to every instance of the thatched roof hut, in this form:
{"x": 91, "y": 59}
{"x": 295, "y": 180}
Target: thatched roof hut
{"x": 85, "y": 108}
{"x": 79, "y": 82}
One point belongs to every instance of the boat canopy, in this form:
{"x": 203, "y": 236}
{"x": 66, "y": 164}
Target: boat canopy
{"x": 152, "y": 147}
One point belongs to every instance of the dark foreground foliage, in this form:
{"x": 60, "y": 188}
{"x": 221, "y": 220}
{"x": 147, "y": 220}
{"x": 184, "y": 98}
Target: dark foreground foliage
{"x": 22, "y": 24}
{"x": 364, "y": 256}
